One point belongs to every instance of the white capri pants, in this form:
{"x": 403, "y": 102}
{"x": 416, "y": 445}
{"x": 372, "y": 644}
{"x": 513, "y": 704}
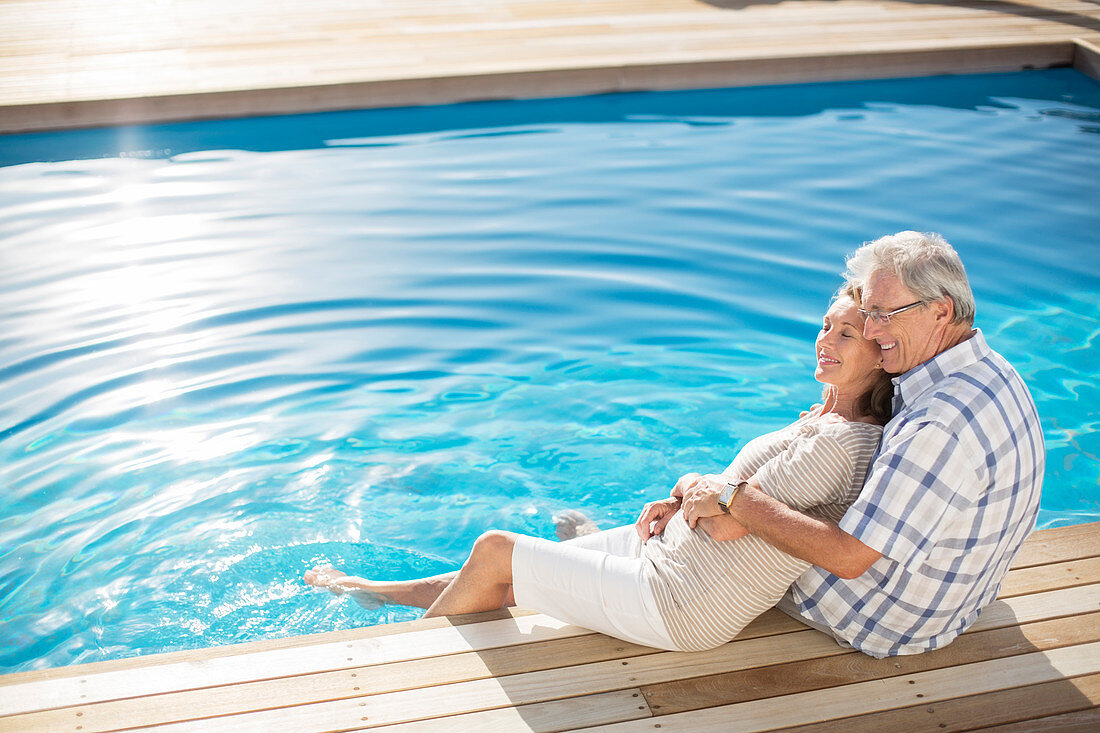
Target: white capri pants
{"x": 596, "y": 581}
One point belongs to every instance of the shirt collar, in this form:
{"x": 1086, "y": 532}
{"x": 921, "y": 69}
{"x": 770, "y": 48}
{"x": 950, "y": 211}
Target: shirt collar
{"x": 915, "y": 382}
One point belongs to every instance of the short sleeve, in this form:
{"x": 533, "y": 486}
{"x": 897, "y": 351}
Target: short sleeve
{"x": 813, "y": 470}
{"x": 920, "y": 481}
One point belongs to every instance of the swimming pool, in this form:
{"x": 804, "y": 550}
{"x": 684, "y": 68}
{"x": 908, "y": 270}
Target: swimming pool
{"x": 233, "y": 350}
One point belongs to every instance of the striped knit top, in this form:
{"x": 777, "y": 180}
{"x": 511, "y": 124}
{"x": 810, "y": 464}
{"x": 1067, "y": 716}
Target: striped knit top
{"x": 707, "y": 591}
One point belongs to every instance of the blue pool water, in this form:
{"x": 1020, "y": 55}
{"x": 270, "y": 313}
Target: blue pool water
{"x": 233, "y": 350}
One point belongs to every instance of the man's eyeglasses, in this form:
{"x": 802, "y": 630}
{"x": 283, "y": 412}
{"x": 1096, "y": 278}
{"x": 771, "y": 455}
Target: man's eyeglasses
{"x": 884, "y": 317}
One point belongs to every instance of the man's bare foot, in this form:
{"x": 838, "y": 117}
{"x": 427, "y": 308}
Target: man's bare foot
{"x": 338, "y": 583}
{"x": 571, "y": 523}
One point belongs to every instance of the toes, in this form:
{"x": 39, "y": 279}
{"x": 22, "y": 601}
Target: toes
{"x": 322, "y": 575}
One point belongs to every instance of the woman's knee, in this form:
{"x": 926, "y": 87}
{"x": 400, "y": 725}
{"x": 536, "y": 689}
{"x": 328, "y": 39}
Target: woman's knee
{"x": 493, "y": 548}
{"x": 494, "y": 542}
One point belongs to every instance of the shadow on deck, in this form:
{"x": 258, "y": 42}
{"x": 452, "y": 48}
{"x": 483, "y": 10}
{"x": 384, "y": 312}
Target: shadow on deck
{"x": 1031, "y": 662}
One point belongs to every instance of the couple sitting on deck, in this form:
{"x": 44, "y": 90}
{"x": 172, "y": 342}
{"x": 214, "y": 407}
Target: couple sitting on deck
{"x": 899, "y": 563}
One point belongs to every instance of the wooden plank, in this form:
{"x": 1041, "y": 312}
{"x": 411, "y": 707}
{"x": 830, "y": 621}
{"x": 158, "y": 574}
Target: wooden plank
{"x": 195, "y": 61}
{"x": 159, "y": 674}
{"x": 43, "y": 694}
{"x": 1082, "y": 721}
{"x": 529, "y": 688}
{"x": 574, "y": 712}
{"x": 877, "y": 695}
{"x": 1080, "y": 694}
{"x": 606, "y": 676}
{"x": 576, "y": 77}
{"x": 1038, "y": 606}
{"x": 1055, "y": 575}
{"x": 51, "y": 693}
{"x": 1059, "y": 544}
{"x": 510, "y": 659}
{"x": 327, "y": 686}
{"x": 784, "y": 679}
{"x": 230, "y": 650}
{"x": 1086, "y": 57}
{"x": 813, "y": 674}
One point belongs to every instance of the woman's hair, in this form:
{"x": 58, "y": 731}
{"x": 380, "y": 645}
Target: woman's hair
{"x": 923, "y": 263}
{"x": 878, "y": 401}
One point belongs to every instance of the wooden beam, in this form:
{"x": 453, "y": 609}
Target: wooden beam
{"x": 820, "y": 673}
{"x": 1086, "y": 58}
{"x": 879, "y": 695}
{"x": 1019, "y": 707}
{"x": 945, "y": 58}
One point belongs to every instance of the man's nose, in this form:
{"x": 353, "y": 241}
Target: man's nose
{"x": 870, "y": 328}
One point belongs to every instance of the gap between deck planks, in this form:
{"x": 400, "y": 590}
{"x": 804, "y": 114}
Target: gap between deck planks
{"x": 1048, "y": 608}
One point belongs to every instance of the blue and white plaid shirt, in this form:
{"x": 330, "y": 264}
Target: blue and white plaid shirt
{"x": 950, "y": 497}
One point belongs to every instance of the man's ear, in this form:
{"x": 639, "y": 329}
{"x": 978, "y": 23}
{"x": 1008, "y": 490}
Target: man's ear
{"x": 944, "y": 309}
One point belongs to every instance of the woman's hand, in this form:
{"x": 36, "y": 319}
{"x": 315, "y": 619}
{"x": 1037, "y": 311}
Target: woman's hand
{"x": 655, "y": 517}
{"x": 701, "y": 498}
{"x": 686, "y": 481}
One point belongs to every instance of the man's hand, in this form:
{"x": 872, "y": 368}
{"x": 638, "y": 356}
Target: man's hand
{"x": 701, "y": 498}
{"x": 655, "y": 517}
{"x": 722, "y": 528}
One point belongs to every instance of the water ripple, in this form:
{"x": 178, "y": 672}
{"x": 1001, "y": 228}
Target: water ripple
{"x": 366, "y": 339}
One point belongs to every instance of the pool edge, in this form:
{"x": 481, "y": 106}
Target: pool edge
{"x": 546, "y": 83}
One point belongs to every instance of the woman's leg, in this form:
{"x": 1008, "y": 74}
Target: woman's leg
{"x": 483, "y": 584}
{"x": 420, "y": 592}
{"x": 598, "y": 581}
{"x": 486, "y": 577}
{"x": 485, "y": 581}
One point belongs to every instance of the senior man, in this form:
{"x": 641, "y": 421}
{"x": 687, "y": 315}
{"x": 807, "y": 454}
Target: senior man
{"x": 953, "y": 491}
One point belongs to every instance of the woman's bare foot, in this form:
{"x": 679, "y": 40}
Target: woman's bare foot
{"x": 339, "y": 582}
{"x": 324, "y": 576}
{"x": 571, "y": 523}
{"x": 370, "y": 594}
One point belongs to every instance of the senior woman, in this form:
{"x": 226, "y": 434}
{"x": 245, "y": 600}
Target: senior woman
{"x": 665, "y": 582}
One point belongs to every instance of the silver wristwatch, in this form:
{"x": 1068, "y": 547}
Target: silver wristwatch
{"x": 729, "y": 493}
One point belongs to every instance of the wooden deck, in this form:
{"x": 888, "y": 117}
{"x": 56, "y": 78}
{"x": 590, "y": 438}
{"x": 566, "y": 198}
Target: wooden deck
{"x": 66, "y": 63}
{"x": 1030, "y": 663}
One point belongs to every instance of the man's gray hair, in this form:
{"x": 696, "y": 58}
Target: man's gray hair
{"x": 924, "y": 263}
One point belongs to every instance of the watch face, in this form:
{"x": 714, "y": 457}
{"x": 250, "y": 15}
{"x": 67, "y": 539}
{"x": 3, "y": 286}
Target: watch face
{"x": 725, "y": 496}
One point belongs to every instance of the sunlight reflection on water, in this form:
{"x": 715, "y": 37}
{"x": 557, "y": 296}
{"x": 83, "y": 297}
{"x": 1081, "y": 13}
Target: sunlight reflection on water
{"x": 223, "y": 366}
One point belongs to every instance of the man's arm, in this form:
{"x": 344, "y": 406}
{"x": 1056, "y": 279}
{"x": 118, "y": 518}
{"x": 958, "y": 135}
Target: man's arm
{"x": 812, "y": 539}
{"x": 815, "y": 540}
